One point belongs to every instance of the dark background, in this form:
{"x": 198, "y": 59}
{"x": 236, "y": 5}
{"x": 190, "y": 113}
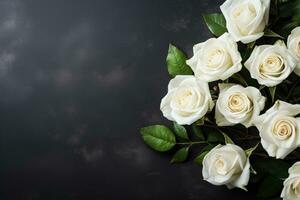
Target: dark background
{"x": 78, "y": 78}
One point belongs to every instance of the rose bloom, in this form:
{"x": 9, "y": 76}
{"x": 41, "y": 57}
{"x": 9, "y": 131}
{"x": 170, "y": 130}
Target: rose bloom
{"x": 291, "y": 189}
{"x": 279, "y": 129}
{"x": 217, "y": 58}
{"x": 293, "y": 44}
{"x": 237, "y": 104}
{"x": 270, "y": 64}
{"x": 227, "y": 165}
{"x": 188, "y": 100}
{"x": 246, "y": 19}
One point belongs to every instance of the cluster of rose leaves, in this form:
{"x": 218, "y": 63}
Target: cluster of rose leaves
{"x": 203, "y": 134}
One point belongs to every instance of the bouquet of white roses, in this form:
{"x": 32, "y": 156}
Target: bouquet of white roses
{"x": 236, "y": 99}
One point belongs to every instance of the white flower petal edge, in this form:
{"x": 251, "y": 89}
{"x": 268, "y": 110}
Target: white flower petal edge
{"x": 216, "y": 58}
{"x": 291, "y": 186}
{"x": 270, "y": 64}
{"x": 237, "y": 104}
{"x": 279, "y": 129}
{"x": 188, "y": 99}
{"x": 227, "y": 165}
{"x": 246, "y": 19}
{"x": 293, "y": 44}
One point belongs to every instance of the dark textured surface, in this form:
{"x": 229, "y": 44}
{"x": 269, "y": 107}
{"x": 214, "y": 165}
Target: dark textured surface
{"x": 77, "y": 81}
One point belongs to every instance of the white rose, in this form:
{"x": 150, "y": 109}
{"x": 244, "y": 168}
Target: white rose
{"x": 246, "y": 19}
{"x": 293, "y": 44}
{"x": 188, "y": 100}
{"x": 227, "y": 165}
{"x": 237, "y": 104}
{"x": 291, "y": 189}
{"x": 217, "y": 58}
{"x": 270, "y": 64}
{"x": 279, "y": 129}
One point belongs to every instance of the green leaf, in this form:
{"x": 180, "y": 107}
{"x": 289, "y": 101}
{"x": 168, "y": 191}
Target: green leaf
{"x": 261, "y": 87}
{"x": 200, "y": 122}
{"x": 213, "y": 135}
{"x": 181, "y": 155}
{"x": 208, "y": 147}
{"x": 276, "y": 168}
{"x": 289, "y": 9}
{"x": 180, "y": 131}
{"x": 297, "y": 91}
{"x": 249, "y": 151}
{"x": 226, "y": 81}
{"x": 200, "y": 157}
{"x": 204, "y": 151}
{"x": 247, "y": 51}
{"x": 216, "y": 23}
{"x": 255, "y": 178}
{"x": 251, "y": 45}
{"x": 198, "y": 132}
{"x": 158, "y": 137}
{"x": 272, "y": 91}
{"x": 282, "y": 1}
{"x": 176, "y": 62}
{"x": 288, "y": 27}
{"x": 239, "y": 79}
{"x": 269, "y": 187}
{"x": 206, "y": 119}
{"x": 228, "y": 140}
{"x": 270, "y": 33}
